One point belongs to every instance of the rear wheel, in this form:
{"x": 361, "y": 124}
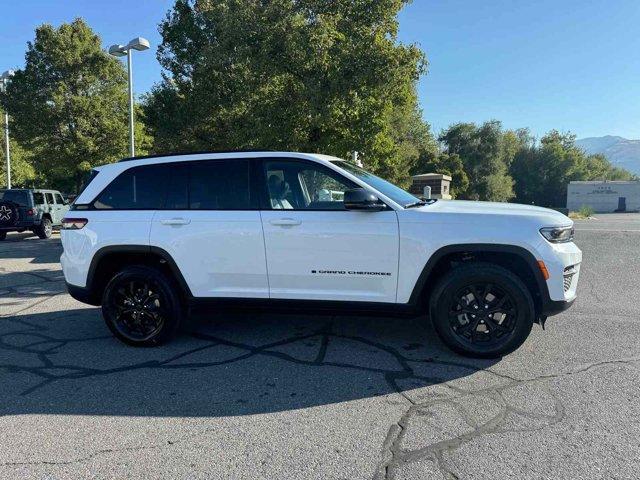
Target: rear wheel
{"x": 482, "y": 310}
{"x": 45, "y": 229}
{"x": 141, "y": 307}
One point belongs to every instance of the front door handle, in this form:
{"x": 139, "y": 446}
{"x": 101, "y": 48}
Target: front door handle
{"x": 285, "y": 222}
{"x": 175, "y": 221}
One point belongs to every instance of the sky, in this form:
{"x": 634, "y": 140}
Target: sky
{"x": 572, "y": 65}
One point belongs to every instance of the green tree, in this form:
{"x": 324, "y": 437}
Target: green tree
{"x": 69, "y": 104}
{"x": 23, "y": 173}
{"x": 486, "y": 153}
{"x": 434, "y": 161}
{"x": 543, "y": 170}
{"x": 307, "y": 75}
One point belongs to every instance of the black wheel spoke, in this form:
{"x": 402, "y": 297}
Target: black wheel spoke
{"x": 488, "y": 319}
{"x": 137, "y": 308}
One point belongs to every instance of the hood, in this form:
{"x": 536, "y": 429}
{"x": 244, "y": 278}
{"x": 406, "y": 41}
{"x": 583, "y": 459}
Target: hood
{"x": 545, "y": 216}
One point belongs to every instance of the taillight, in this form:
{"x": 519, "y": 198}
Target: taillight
{"x": 73, "y": 223}
{"x": 30, "y": 212}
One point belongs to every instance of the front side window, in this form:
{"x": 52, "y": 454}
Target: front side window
{"x": 219, "y": 185}
{"x": 298, "y": 185}
{"x": 59, "y": 199}
{"x": 139, "y": 188}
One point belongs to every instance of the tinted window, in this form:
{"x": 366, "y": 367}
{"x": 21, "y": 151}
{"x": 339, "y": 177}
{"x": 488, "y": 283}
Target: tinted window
{"x": 38, "y": 198}
{"x": 49, "y": 198}
{"x": 178, "y": 187}
{"x": 139, "y": 188}
{"x": 219, "y": 185}
{"x": 16, "y": 196}
{"x": 59, "y": 199}
{"x": 295, "y": 185}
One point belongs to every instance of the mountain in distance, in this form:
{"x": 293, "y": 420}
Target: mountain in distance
{"x": 620, "y": 151}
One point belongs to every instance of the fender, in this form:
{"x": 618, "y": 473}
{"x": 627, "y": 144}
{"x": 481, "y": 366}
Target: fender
{"x": 523, "y": 253}
{"x": 137, "y": 249}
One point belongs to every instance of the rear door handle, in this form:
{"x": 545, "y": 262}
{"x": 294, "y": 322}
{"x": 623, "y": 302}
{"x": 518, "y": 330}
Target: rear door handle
{"x": 175, "y": 221}
{"x": 285, "y": 222}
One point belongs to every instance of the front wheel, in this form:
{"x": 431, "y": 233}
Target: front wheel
{"x": 482, "y": 310}
{"x": 141, "y": 307}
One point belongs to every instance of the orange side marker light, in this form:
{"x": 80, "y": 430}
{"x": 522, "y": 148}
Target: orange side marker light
{"x": 543, "y": 269}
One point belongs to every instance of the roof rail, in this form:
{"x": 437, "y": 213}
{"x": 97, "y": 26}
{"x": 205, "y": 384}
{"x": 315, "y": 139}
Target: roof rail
{"x": 205, "y": 152}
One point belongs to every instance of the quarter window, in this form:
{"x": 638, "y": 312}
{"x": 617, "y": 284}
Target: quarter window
{"x": 38, "y": 198}
{"x": 139, "y": 188}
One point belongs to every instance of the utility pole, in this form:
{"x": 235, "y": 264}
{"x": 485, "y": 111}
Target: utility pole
{"x": 4, "y": 78}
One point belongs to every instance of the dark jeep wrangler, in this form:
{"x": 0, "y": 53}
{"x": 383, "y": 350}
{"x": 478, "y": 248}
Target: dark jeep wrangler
{"x": 31, "y": 209}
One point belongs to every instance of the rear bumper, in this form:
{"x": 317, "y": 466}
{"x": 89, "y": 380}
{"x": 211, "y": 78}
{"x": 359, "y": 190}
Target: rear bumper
{"x": 82, "y": 294}
{"x": 24, "y": 225}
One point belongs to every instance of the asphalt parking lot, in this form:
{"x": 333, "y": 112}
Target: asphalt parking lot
{"x": 294, "y": 397}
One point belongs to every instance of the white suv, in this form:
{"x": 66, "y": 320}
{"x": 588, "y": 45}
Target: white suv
{"x": 151, "y": 238}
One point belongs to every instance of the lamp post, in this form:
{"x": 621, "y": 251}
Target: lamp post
{"x": 4, "y": 78}
{"x": 139, "y": 44}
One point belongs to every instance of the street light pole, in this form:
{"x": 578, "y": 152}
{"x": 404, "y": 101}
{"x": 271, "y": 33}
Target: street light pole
{"x": 5, "y": 78}
{"x": 139, "y": 44}
{"x": 132, "y": 138}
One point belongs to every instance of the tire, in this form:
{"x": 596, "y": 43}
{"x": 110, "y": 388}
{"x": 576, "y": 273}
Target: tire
{"x": 482, "y": 310}
{"x": 141, "y": 306}
{"x": 45, "y": 229}
{"x": 3, "y": 235}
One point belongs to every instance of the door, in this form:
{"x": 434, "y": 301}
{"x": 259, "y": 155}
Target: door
{"x": 622, "y": 204}
{"x": 317, "y": 250}
{"x": 212, "y": 229}
{"x": 51, "y": 206}
{"x": 60, "y": 209}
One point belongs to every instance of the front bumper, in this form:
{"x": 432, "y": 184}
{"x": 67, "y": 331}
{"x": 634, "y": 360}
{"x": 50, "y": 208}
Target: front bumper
{"x": 82, "y": 294}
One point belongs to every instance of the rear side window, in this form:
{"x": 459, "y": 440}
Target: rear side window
{"x": 139, "y": 188}
{"x": 38, "y": 198}
{"x": 49, "y": 198}
{"x": 219, "y": 185}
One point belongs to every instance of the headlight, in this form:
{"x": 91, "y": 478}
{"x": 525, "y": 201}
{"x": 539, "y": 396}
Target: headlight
{"x": 558, "y": 234}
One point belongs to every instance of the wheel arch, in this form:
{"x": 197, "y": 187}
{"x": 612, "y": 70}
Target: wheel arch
{"x": 518, "y": 260}
{"x": 111, "y": 259}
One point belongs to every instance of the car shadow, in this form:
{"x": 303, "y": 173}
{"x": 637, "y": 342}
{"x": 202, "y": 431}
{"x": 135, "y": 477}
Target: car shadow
{"x": 67, "y": 362}
{"x": 29, "y": 245}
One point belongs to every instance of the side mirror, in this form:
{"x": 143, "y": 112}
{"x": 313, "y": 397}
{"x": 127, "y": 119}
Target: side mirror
{"x": 361, "y": 199}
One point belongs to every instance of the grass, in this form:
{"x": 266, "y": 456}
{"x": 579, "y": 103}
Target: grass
{"x": 584, "y": 212}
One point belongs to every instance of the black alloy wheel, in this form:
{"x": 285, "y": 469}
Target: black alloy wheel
{"x": 483, "y": 314}
{"x": 140, "y": 306}
{"x": 482, "y": 310}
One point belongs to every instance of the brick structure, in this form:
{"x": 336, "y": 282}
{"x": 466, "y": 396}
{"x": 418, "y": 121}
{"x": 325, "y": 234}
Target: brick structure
{"x": 440, "y": 185}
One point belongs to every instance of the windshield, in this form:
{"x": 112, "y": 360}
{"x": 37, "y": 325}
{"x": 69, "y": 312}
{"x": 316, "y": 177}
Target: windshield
{"x": 395, "y": 193}
{"x": 16, "y": 196}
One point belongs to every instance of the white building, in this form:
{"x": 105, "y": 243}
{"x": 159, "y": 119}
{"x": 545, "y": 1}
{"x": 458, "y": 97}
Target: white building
{"x": 604, "y": 196}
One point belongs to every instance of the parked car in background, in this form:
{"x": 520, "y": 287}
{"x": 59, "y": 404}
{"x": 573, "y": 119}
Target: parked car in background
{"x": 36, "y": 210}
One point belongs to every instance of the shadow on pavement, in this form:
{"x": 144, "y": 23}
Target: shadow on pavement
{"x": 66, "y": 362}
